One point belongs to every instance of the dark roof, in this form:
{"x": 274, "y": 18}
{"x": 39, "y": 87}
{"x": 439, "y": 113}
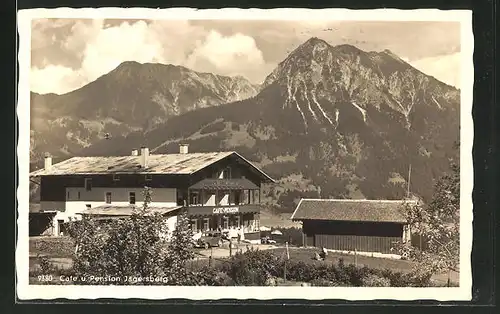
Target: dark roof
{"x": 225, "y": 184}
{"x": 115, "y": 210}
{"x": 157, "y": 164}
{"x": 350, "y": 210}
{"x": 161, "y": 163}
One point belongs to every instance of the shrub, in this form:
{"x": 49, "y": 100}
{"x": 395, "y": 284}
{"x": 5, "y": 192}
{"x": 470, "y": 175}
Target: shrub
{"x": 52, "y": 246}
{"x": 253, "y": 267}
{"x": 221, "y": 279}
{"x": 376, "y": 281}
{"x": 301, "y": 271}
{"x": 46, "y": 267}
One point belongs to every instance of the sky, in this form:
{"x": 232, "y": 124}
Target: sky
{"x": 67, "y": 54}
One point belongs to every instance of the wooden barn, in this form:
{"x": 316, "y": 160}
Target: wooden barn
{"x": 348, "y": 225}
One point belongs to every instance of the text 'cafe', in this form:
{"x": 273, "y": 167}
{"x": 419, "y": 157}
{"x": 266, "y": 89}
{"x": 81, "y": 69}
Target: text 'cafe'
{"x": 226, "y": 218}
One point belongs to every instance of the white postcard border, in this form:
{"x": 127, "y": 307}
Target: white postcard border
{"x": 464, "y": 292}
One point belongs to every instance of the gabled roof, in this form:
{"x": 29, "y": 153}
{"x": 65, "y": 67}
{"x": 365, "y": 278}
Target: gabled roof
{"x": 350, "y": 210}
{"x": 157, "y": 164}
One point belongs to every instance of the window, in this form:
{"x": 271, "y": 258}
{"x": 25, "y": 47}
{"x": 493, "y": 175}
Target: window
{"x": 226, "y": 173}
{"x": 131, "y": 198}
{"x": 257, "y": 222}
{"x": 108, "y": 197}
{"x": 206, "y": 224}
{"x": 218, "y": 197}
{"x": 88, "y": 184}
{"x": 194, "y": 225}
{"x": 195, "y": 198}
{"x": 237, "y": 197}
{"x": 226, "y": 223}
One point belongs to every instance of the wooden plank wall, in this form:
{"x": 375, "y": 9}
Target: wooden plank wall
{"x": 352, "y": 242}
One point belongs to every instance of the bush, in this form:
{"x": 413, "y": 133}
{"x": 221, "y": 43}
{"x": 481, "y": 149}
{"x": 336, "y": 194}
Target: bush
{"x": 376, "y": 281}
{"x": 46, "y": 267}
{"x": 253, "y": 267}
{"x": 256, "y": 267}
{"x": 52, "y": 246}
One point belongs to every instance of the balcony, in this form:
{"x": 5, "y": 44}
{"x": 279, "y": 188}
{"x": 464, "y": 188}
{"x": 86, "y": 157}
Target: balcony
{"x": 202, "y": 210}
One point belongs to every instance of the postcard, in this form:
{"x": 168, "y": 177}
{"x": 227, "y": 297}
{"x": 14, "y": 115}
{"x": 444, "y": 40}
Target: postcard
{"x": 311, "y": 154}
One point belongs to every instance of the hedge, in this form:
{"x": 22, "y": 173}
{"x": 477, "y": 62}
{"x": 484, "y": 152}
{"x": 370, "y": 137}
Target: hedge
{"x": 51, "y": 246}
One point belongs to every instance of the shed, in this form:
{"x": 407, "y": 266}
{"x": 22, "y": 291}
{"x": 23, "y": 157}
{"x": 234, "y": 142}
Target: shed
{"x": 348, "y": 225}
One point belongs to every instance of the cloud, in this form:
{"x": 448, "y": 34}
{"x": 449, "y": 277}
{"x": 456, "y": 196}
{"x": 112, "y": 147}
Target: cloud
{"x": 100, "y": 49}
{"x": 445, "y": 68}
{"x": 54, "y": 79}
{"x": 228, "y": 55}
{"x": 69, "y": 53}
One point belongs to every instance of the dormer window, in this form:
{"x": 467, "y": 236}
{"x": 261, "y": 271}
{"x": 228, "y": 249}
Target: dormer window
{"x": 149, "y": 177}
{"x": 88, "y": 184}
{"x": 116, "y": 177}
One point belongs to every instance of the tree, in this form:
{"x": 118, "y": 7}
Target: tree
{"x": 135, "y": 246}
{"x": 438, "y": 222}
{"x": 180, "y": 250}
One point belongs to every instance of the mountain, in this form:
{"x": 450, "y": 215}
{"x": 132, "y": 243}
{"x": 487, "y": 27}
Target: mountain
{"x": 328, "y": 122}
{"x": 133, "y": 97}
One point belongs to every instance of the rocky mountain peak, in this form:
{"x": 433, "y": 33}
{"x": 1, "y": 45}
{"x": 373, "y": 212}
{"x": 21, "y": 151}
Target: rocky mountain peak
{"x": 134, "y": 97}
{"x": 316, "y": 80}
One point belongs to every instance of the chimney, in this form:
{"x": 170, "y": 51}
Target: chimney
{"x": 135, "y": 152}
{"x": 48, "y": 162}
{"x": 183, "y": 148}
{"x": 144, "y": 157}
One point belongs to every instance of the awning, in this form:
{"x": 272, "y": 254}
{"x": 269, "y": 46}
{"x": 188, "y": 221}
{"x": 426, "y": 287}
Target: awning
{"x": 225, "y": 184}
{"x": 123, "y": 211}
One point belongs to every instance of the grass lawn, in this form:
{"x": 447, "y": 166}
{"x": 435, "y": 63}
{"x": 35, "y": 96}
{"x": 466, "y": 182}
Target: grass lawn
{"x": 306, "y": 255}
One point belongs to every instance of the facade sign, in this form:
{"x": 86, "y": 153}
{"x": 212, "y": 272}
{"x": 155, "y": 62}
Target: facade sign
{"x": 225, "y": 210}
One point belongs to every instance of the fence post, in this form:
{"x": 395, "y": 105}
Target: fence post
{"x": 287, "y": 252}
{"x": 286, "y": 260}
{"x": 284, "y": 273}
{"x": 210, "y": 257}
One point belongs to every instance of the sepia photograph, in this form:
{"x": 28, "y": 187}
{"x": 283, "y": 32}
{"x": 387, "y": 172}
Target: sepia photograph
{"x": 248, "y": 154}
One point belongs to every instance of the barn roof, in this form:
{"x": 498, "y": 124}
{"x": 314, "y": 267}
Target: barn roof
{"x": 157, "y": 164}
{"x": 350, "y": 210}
